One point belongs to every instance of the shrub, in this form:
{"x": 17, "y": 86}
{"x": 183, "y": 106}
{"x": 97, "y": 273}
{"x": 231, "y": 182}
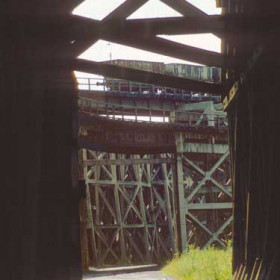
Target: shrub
{"x": 195, "y": 264}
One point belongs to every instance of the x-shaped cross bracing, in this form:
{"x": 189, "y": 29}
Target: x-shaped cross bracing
{"x": 207, "y": 176}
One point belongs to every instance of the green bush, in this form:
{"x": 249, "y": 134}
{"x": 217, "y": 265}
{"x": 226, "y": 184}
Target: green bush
{"x": 195, "y": 264}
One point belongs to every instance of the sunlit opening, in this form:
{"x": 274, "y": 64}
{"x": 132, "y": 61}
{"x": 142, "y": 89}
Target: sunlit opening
{"x": 207, "y": 6}
{"x": 105, "y": 51}
{"x": 154, "y": 9}
{"x": 97, "y": 9}
{"x": 205, "y": 41}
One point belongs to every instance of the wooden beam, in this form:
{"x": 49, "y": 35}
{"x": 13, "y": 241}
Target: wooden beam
{"x": 125, "y": 10}
{"x": 122, "y": 12}
{"x": 173, "y": 26}
{"x": 222, "y": 24}
{"x": 173, "y": 49}
{"x": 184, "y": 7}
{"x": 128, "y": 34}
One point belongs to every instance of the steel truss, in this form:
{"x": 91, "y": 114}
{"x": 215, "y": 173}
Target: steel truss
{"x": 131, "y": 204}
{"x": 208, "y": 198}
{"x": 129, "y": 208}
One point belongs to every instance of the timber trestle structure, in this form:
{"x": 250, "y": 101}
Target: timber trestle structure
{"x": 152, "y": 188}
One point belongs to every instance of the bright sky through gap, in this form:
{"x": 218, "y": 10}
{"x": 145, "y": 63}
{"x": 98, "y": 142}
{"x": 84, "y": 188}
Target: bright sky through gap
{"x": 97, "y": 9}
{"x": 154, "y": 8}
{"x": 103, "y": 50}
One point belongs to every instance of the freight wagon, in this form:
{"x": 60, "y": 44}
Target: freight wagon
{"x": 157, "y": 67}
{"x": 196, "y": 72}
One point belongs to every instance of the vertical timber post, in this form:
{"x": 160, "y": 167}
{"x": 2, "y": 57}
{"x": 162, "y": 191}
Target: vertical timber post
{"x": 118, "y": 207}
{"x": 138, "y": 173}
{"x": 168, "y": 205}
{"x": 179, "y": 194}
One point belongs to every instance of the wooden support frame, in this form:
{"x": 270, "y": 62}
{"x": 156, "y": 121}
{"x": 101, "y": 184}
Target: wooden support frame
{"x": 124, "y": 192}
{"x": 156, "y": 205}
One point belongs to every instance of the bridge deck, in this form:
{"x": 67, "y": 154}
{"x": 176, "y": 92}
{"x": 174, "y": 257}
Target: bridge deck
{"x": 129, "y": 136}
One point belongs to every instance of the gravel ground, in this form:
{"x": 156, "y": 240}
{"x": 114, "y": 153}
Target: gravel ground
{"x": 146, "y": 275}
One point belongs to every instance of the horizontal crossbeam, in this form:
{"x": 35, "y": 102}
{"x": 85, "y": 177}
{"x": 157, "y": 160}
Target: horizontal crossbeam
{"x": 99, "y": 162}
{"x": 116, "y": 32}
{"x": 117, "y": 72}
{"x": 208, "y": 206}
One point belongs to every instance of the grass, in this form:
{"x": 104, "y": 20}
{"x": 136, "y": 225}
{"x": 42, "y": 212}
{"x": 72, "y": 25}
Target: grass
{"x": 208, "y": 264}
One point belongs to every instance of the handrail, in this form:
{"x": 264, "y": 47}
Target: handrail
{"x": 179, "y": 117}
{"x": 123, "y": 86}
{"x": 121, "y": 106}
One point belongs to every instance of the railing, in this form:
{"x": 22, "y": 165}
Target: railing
{"x": 115, "y": 86}
{"x": 131, "y": 114}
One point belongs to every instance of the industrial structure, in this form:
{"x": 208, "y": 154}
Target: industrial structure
{"x": 151, "y": 187}
{"x": 43, "y": 127}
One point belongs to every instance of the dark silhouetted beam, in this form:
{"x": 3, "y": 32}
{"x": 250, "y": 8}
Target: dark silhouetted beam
{"x": 125, "y": 10}
{"x": 117, "y": 34}
{"x": 184, "y": 7}
{"x": 174, "y": 26}
{"x": 81, "y": 28}
{"x": 130, "y": 74}
{"x": 173, "y": 49}
{"x": 122, "y": 12}
{"x": 222, "y": 24}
